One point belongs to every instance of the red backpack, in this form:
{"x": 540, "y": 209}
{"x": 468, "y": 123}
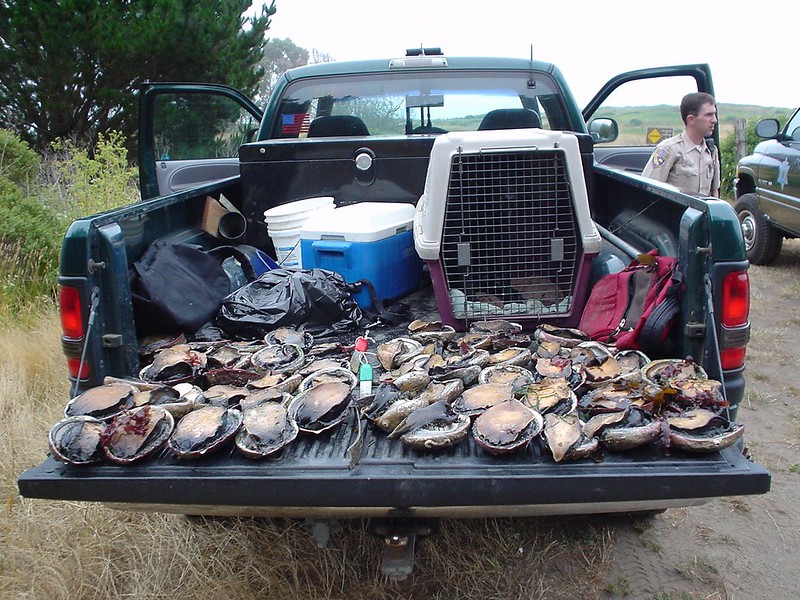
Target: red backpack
{"x": 635, "y": 308}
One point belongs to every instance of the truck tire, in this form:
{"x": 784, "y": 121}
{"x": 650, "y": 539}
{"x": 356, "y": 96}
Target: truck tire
{"x": 761, "y": 240}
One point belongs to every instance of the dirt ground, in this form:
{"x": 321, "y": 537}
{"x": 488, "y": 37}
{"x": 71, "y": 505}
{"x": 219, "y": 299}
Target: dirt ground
{"x": 745, "y": 547}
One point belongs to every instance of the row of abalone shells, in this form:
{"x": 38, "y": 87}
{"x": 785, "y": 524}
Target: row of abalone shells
{"x": 549, "y": 386}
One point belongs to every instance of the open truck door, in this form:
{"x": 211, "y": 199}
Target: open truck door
{"x": 190, "y": 135}
{"x": 625, "y": 134}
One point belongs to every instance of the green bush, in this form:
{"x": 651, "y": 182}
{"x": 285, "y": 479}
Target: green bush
{"x": 29, "y": 225}
{"x": 727, "y": 158}
{"x": 18, "y": 162}
{"x": 30, "y": 239}
{"x": 96, "y": 179}
{"x": 27, "y": 283}
{"x": 70, "y": 183}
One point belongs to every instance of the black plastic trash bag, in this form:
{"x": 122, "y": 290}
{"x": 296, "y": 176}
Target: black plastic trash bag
{"x": 315, "y": 300}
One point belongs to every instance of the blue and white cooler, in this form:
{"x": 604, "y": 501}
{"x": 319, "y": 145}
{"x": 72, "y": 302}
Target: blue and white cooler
{"x": 368, "y": 240}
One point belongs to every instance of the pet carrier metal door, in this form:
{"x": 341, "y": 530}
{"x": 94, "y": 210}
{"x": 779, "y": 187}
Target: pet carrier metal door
{"x": 514, "y": 232}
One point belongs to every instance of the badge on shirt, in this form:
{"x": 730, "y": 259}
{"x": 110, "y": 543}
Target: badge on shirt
{"x": 659, "y": 157}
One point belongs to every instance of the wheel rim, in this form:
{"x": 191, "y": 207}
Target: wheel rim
{"x": 748, "y": 224}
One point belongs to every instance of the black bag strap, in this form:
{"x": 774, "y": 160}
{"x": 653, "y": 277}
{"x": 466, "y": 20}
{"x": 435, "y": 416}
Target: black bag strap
{"x": 390, "y": 313}
{"x": 145, "y": 261}
{"x": 223, "y": 252}
{"x": 657, "y": 322}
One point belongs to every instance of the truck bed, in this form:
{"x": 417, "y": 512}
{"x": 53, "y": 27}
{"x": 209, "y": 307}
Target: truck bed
{"x": 356, "y": 471}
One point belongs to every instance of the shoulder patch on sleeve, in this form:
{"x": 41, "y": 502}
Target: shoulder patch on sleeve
{"x": 660, "y": 156}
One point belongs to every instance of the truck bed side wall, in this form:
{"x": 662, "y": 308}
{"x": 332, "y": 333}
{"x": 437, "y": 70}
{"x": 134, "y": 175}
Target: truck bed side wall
{"x": 650, "y": 215}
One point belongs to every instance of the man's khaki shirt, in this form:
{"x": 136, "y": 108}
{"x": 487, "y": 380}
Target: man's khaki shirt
{"x": 688, "y": 167}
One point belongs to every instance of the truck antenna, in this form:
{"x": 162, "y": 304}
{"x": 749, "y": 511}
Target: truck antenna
{"x": 531, "y": 81}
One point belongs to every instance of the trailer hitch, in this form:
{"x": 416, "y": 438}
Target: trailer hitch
{"x": 399, "y": 543}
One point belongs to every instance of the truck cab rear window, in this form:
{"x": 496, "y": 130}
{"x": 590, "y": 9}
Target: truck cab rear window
{"x": 405, "y": 103}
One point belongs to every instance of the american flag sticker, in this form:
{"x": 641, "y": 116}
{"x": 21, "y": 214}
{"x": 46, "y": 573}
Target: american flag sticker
{"x": 294, "y": 124}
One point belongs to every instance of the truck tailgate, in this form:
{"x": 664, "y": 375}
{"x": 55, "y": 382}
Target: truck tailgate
{"x": 313, "y": 477}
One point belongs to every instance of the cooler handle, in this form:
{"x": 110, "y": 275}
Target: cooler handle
{"x": 331, "y": 248}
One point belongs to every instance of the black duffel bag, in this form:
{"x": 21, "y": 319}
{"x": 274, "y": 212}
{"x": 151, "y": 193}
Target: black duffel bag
{"x": 180, "y": 287}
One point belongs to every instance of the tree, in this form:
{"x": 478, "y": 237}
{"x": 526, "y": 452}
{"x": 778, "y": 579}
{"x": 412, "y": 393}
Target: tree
{"x": 281, "y": 55}
{"x": 70, "y": 69}
{"x": 318, "y": 56}
{"x": 727, "y": 153}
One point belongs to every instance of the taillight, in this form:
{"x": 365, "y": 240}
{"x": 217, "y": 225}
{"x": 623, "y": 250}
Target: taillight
{"x": 735, "y": 313}
{"x": 72, "y": 367}
{"x": 71, "y": 310}
{"x": 732, "y": 358}
{"x": 735, "y": 299}
{"x": 69, "y": 305}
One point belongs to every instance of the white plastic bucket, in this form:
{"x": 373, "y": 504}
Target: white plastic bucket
{"x": 285, "y": 222}
{"x": 294, "y": 214}
{"x": 287, "y": 247}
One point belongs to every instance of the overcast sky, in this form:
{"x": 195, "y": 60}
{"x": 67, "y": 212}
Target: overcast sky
{"x": 751, "y": 62}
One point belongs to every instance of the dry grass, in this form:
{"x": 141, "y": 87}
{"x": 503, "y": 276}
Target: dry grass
{"x": 79, "y": 550}
{"x": 27, "y": 282}
{"x": 699, "y": 569}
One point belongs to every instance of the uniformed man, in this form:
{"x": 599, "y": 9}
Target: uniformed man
{"x": 685, "y": 160}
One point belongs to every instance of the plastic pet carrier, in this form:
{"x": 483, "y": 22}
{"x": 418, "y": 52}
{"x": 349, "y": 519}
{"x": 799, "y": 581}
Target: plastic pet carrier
{"x": 505, "y": 228}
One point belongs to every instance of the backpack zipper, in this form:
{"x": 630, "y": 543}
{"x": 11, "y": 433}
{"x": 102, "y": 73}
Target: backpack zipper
{"x": 619, "y": 328}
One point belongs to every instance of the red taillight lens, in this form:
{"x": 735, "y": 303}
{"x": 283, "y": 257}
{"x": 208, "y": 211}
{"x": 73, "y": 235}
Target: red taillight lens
{"x": 732, "y": 358}
{"x": 735, "y": 299}
{"x": 69, "y": 304}
{"x": 735, "y": 313}
{"x": 72, "y": 366}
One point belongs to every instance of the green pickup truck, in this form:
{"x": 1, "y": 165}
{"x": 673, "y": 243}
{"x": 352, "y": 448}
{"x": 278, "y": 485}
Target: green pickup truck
{"x": 768, "y": 190}
{"x": 397, "y": 130}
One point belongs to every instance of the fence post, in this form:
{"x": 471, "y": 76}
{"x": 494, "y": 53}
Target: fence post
{"x": 740, "y": 138}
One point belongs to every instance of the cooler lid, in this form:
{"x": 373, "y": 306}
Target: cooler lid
{"x": 362, "y": 222}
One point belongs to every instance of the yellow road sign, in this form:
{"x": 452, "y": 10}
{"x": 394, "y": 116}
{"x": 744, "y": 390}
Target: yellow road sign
{"x": 656, "y": 134}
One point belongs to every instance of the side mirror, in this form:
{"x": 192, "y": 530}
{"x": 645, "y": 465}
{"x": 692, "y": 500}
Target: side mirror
{"x": 796, "y": 134}
{"x": 603, "y": 130}
{"x": 767, "y": 128}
